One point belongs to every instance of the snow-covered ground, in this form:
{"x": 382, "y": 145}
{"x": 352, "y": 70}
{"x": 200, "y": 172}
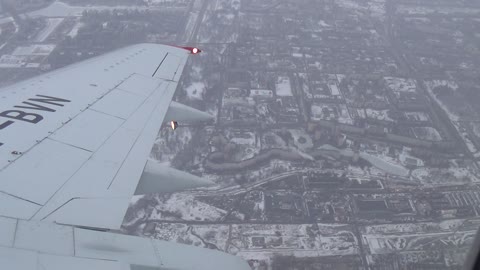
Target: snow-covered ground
{"x": 407, "y": 9}
{"x": 384, "y": 165}
{"x": 195, "y": 90}
{"x": 444, "y": 176}
{"x": 169, "y": 143}
{"x": 466, "y": 137}
{"x": 61, "y": 9}
{"x": 52, "y": 24}
{"x": 388, "y": 244}
{"x": 401, "y": 85}
{"x": 382, "y": 162}
{"x": 417, "y": 116}
{"x": 377, "y": 9}
{"x": 73, "y": 33}
{"x": 427, "y": 133}
{"x": 378, "y": 114}
{"x": 344, "y": 115}
{"x": 404, "y": 156}
{"x": 283, "y": 87}
{"x": 329, "y": 239}
{"x": 450, "y": 84}
{"x": 324, "y": 111}
{"x": 387, "y": 238}
{"x": 185, "y": 207}
{"x": 271, "y": 140}
{"x": 247, "y": 138}
{"x": 197, "y": 235}
{"x": 410, "y": 228}
{"x": 301, "y": 139}
{"x": 348, "y": 4}
{"x": 37, "y": 50}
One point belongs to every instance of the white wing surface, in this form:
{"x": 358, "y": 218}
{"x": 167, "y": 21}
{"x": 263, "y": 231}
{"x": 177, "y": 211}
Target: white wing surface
{"x": 74, "y": 142}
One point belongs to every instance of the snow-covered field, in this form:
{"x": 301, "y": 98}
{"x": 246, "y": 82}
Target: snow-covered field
{"x": 198, "y": 235}
{"x": 185, "y": 207}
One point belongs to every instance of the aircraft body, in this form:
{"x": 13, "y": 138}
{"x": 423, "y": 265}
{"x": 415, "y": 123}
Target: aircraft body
{"x": 74, "y": 147}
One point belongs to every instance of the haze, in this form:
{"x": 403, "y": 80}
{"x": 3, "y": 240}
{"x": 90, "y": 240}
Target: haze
{"x": 347, "y": 132}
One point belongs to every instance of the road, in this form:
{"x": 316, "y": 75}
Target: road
{"x": 193, "y": 38}
{"x": 239, "y": 190}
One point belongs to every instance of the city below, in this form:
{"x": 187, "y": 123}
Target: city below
{"x": 346, "y": 133}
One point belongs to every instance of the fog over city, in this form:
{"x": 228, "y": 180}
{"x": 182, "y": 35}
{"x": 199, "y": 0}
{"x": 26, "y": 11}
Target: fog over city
{"x": 346, "y": 132}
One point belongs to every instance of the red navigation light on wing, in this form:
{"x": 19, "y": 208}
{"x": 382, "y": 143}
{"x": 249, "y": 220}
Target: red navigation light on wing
{"x": 193, "y": 50}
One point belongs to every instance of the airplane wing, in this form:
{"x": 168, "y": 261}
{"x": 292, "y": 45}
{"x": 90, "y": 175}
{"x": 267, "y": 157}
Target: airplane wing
{"x": 74, "y": 147}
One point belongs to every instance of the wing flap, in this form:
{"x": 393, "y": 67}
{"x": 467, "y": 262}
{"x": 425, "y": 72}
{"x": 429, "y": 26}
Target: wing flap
{"x": 128, "y": 102}
{"x": 17, "y": 259}
{"x": 44, "y": 237}
{"x": 16, "y": 207}
{"x": 52, "y": 163}
{"x": 89, "y": 130}
{"x": 140, "y": 85}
